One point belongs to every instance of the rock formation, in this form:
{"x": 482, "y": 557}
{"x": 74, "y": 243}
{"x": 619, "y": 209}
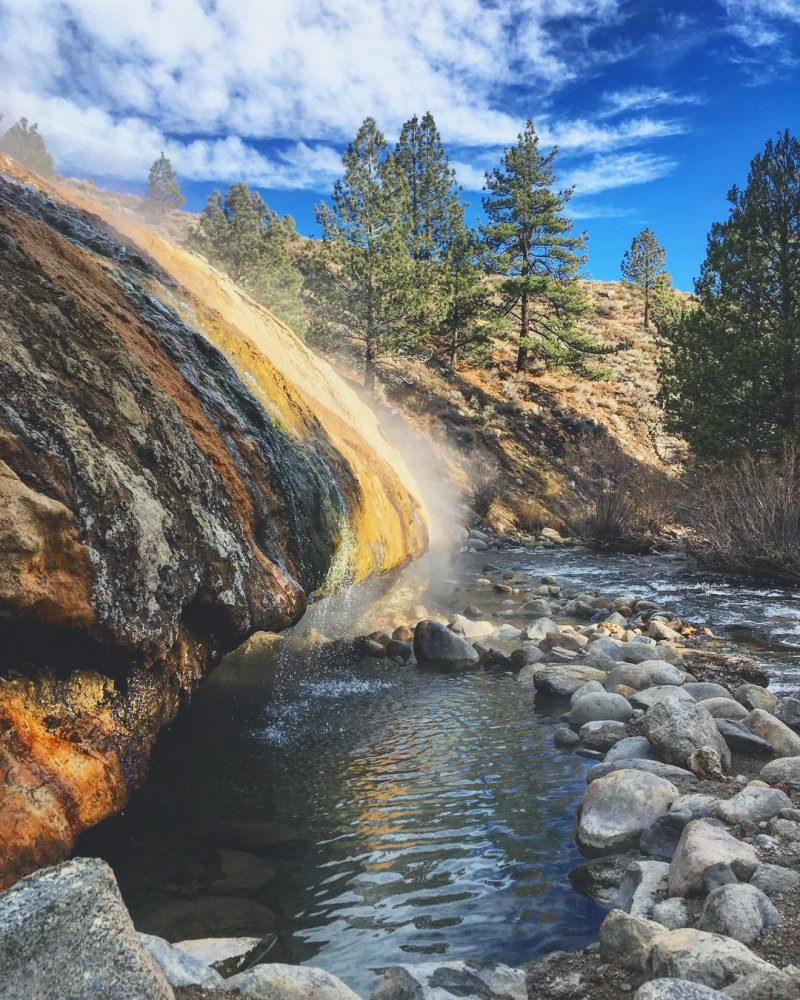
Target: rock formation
{"x": 177, "y": 471}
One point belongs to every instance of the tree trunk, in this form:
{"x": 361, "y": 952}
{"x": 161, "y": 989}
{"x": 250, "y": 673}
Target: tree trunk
{"x": 369, "y": 370}
{"x": 524, "y": 324}
{"x": 646, "y": 310}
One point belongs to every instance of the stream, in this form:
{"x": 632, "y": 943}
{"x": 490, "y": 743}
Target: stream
{"x": 375, "y": 817}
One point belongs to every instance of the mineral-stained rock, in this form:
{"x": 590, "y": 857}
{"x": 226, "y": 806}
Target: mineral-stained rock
{"x": 617, "y": 808}
{"x": 65, "y": 932}
{"x": 677, "y": 728}
{"x": 701, "y": 845}
{"x": 739, "y": 911}
{"x": 177, "y": 471}
{"x": 701, "y": 957}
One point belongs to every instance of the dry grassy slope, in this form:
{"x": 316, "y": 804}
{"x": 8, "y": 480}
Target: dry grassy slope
{"x": 525, "y": 428}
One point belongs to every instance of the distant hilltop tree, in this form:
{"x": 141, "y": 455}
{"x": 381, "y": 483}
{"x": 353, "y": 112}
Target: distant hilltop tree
{"x": 730, "y": 374}
{"x": 644, "y": 267}
{"x": 163, "y": 190}
{"x": 529, "y": 243}
{"x": 25, "y": 144}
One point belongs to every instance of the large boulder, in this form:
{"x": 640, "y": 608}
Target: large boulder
{"x": 273, "y": 981}
{"x": 702, "y": 845}
{"x": 753, "y": 804}
{"x": 563, "y": 680}
{"x": 439, "y": 647}
{"x": 437, "y": 980}
{"x": 783, "y": 771}
{"x": 783, "y": 740}
{"x": 740, "y": 911}
{"x": 65, "y": 932}
{"x": 599, "y": 706}
{"x": 676, "y": 729}
{"x": 618, "y": 807}
{"x": 701, "y": 957}
{"x": 627, "y": 939}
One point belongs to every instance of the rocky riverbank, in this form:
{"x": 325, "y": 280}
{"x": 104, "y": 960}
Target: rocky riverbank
{"x": 690, "y": 819}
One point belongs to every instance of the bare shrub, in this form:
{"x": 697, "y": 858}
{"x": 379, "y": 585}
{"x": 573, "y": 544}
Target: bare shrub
{"x": 485, "y": 489}
{"x": 530, "y": 515}
{"x": 616, "y": 509}
{"x": 746, "y": 518}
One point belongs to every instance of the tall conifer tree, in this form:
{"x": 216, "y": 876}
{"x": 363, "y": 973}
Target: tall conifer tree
{"x": 163, "y": 190}
{"x": 24, "y": 142}
{"x": 531, "y": 245}
{"x": 645, "y": 267}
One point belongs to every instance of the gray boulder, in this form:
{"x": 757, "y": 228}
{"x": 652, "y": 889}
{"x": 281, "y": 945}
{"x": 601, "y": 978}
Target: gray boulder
{"x": 595, "y": 707}
{"x": 784, "y": 771}
{"x": 179, "y": 968}
{"x": 774, "y": 879}
{"x": 725, "y": 708}
{"x": 526, "y": 656}
{"x": 645, "y": 884}
{"x": 636, "y": 651}
{"x": 65, "y": 932}
{"x": 610, "y": 647}
{"x": 435, "y": 980}
{"x": 754, "y": 696}
{"x": 701, "y": 957}
{"x": 439, "y": 647}
{"x": 655, "y": 767}
{"x": 597, "y": 658}
{"x": 630, "y": 675}
{"x": 740, "y": 911}
{"x": 653, "y": 695}
{"x": 273, "y": 981}
{"x": 677, "y": 989}
{"x": 753, "y": 804}
{"x": 562, "y": 680}
{"x": 739, "y": 738}
{"x": 701, "y": 845}
{"x": 618, "y": 807}
{"x": 673, "y": 913}
{"x": 661, "y": 839}
{"x": 602, "y": 734}
{"x": 676, "y": 729}
{"x": 593, "y": 687}
{"x": 537, "y": 609}
{"x": 662, "y": 672}
{"x": 783, "y": 740}
{"x": 705, "y": 690}
{"x": 631, "y": 747}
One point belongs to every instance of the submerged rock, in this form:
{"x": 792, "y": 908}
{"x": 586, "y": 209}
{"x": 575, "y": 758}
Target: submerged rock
{"x": 65, "y": 932}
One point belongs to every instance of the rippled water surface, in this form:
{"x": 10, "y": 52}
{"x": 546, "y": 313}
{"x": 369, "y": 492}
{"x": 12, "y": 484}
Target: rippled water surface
{"x": 428, "y": 815}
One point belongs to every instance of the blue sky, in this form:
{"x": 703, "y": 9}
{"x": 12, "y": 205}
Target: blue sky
{"x": 657, "y": 107}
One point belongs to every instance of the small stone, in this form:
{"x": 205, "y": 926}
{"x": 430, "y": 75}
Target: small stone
{"x": 565, "y": 737}
{"x": 718, "y": 875}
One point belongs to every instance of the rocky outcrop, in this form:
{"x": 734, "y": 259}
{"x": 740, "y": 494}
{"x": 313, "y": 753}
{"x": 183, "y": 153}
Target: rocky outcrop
{"x": 177, "y": 471}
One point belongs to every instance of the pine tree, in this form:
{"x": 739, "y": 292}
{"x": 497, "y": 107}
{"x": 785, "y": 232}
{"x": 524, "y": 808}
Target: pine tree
{"x": 730, "y": 374}
{"x": 465, "y": 319}
{"x": 530, "y": 244}
{"x": 163, "y": 190}
{"x": 24, "y": 143}
{"x": 363, "y": 275}
{"x": 645, "y": 267}
{"x": 243, "y": 236}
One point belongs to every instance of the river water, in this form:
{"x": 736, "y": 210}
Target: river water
{"x": 418, "y": 815}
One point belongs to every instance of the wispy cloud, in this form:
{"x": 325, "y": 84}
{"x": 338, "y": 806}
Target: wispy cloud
{"x": 644, "y": 99}
{"x": 604, "y": 173}
{"x": 761, "y": 29}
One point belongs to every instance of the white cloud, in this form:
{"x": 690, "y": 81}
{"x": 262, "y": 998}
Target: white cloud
{"x": 760, "y": 23}
{"x": 604, "y": 173}
{"x": 643, "y": 99}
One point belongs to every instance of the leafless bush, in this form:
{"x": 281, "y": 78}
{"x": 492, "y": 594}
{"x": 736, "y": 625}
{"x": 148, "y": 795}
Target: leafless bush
{"x": 485, "y": 489}
{"x": 616, "y": 508}
{"x": 746, "y": 519}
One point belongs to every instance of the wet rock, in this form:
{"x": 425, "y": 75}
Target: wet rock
{"x": 656, "y": 767}
{"x": 242, "y": 874}
{"x": 600, "y": 878}
{"x": 645, "y": 884}
{"x": 595, "y": 706}
{"x": 701, "y": 845}
{"x": 783, "y": 771}
{"x": 562, "y": 680}
{"x": 738, "y": 911}
{"x": 637, "y": 747}
{"x": 701, "y": 957}
{"x": 399, "y": 650}
{"x": 602, "y": 735}
{"x": 618, "y": 807}
{"x": 438, "y": 647}
{"x": 677, "y": 989}
{"x": 245, "y": 835}
{"x": 725, "y": 708}
{"x": 526, "y": 656}
{"x": 565, "y": 737}
{"x": 661, "y": 839}
{"x": 471, "y": 629}
{"x": 288, "y": 982}
{"x": 435, "y": 980}
{"x": 626, "y": 940}
{"x": 179, "y": 968}
{"x": 705, "y": 690}
{"x": 774, "y": 879}
{"x": 754, "y": 696}
{"x": 537, "y": 630}
{"x": 784, "y": 742}
{"x": 739, "y": 738}
{"x": 730, "y": 669}
{"x": 228, "y": 955}
{"x": 677, "y": 728}
{"x": 65, "y": 932}
{"x": 753, "y": 804}
{"x": 672, "y": 913}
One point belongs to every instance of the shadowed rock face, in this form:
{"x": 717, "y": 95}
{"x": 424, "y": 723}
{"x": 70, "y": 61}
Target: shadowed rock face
{"x": 158, "y": 504}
